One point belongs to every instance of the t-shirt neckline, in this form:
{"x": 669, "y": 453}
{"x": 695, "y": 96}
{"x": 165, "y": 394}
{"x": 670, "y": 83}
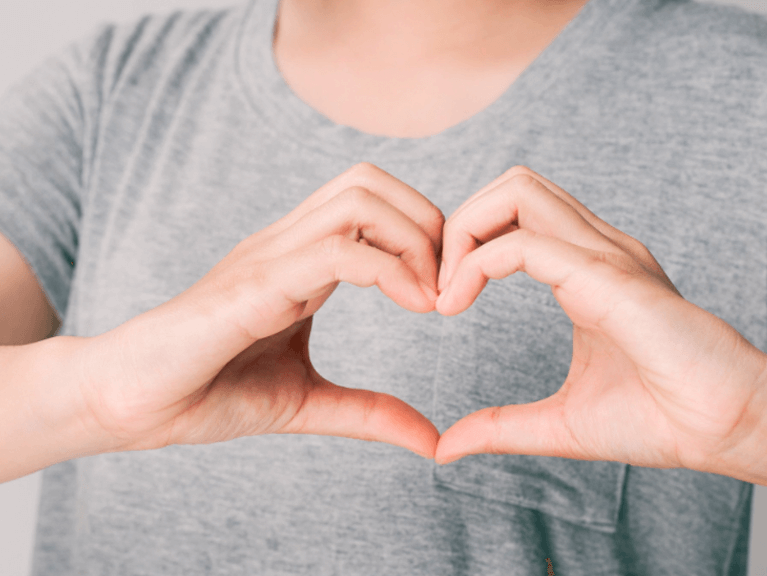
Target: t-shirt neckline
{"x": 288, "y": 116}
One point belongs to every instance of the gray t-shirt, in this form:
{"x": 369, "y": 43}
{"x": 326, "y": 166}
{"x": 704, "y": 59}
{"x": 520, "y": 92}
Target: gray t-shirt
{"x": 132, "y": 163}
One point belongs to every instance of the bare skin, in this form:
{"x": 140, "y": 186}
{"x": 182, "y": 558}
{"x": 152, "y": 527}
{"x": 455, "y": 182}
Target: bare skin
{"x": 229, "y": 357}
{"x": 655, "y": 381}
{"x": 411, "y": 69}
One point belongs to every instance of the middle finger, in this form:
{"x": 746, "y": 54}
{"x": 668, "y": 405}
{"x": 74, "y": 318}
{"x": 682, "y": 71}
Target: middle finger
{"x": 389, "y": 188}
{"x": 520, "y": 201}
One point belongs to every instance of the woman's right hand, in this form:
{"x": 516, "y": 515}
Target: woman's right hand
{"x": 229, "y": 356}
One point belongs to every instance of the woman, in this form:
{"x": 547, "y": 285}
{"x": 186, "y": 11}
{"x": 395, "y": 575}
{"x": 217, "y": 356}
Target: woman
{"x": 188, "y": 192}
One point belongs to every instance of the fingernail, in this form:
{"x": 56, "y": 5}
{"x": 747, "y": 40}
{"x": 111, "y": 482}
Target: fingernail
{"x": 430, "y": 292}
{"x": 442, "y": 277}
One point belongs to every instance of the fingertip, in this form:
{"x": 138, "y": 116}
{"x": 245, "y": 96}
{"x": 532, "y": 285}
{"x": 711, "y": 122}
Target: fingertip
{"x": 427, "y": 446}
{"x": 411, "y": 430}
{"x": 443, "y": 457}
{"x": 400, "y": 424}
{"x": 422, "y": 302}
{"x": 447, "y": 451}
{"x": 442, "y": 277}
{"x": 408, "y": 291}
{"x": 445, "y": 305}
{"x": 429, "y": 292}
{"x": 439, "y": 305}
{"x": 462, "y": 287}
{"x": 465, "y": 437}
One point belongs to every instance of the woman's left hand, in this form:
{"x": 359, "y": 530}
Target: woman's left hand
{"x": 654, "y": 380}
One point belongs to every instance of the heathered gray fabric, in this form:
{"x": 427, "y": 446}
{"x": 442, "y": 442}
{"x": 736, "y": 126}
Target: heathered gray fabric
{"x": 133, "y": 163}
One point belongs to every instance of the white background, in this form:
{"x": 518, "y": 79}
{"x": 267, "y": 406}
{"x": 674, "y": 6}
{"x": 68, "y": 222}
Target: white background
{"x": 30, "y": 30}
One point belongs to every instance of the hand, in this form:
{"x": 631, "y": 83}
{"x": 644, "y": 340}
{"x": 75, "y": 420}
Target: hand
{"x": 654, "y": 380}
{"x": 229, "y": 356}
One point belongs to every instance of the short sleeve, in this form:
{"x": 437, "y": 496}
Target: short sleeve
{"x": 42, "y": 130}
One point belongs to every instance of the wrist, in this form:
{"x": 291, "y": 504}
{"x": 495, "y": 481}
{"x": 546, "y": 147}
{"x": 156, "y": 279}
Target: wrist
{"x": 745, "y": 453}
{"x": 45, "y": 419}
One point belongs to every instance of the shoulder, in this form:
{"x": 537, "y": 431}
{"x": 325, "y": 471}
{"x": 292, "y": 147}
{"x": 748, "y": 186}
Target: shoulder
{"x": 702, "y": 34}
{"x": 715, "y": 22}
{"x": 139, "y": 51}
{"x": 690, "y": 55}
{"x": 130, "y": 55}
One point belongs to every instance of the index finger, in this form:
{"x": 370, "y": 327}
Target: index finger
{"x": 405, "y": 198}
{"x": 584, "y": 212}
{"x": 627, "y": 243}
{"x": 521, "y": 201}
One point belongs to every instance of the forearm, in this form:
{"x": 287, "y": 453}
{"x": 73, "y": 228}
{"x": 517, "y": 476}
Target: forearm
{"x": 43, "y": 416}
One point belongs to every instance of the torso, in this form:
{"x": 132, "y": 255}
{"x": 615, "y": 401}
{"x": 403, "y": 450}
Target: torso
{"x": 193, "y": 151}
{"x": 388, "y": 91}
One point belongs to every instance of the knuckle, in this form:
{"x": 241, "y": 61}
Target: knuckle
{"x": 355, "y": 195}
{"x": 333, "y": 247}
{"x": 622, "y": 268}
{"x": 518, "y": 170}
{"x": 524, "y": 236}
{"x": 636, "y": 252}
{"x": 423, "y": 247}
{"x": 523, "y": 180}
{"x": 364, "y": 169}
{"x": 643, "y": 251}
{"x": 494, "y": 416}
{"x": 435, "y": 222}
{"x": 370, "y": 407}
{"x": 436, "y": 218}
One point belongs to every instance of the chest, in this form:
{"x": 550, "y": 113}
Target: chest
{"x": 165, "y": 205}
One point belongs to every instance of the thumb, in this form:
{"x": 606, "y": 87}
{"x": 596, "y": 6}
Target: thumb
{"x": 332, "y": 410}
{"x": 537, "y": 428}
